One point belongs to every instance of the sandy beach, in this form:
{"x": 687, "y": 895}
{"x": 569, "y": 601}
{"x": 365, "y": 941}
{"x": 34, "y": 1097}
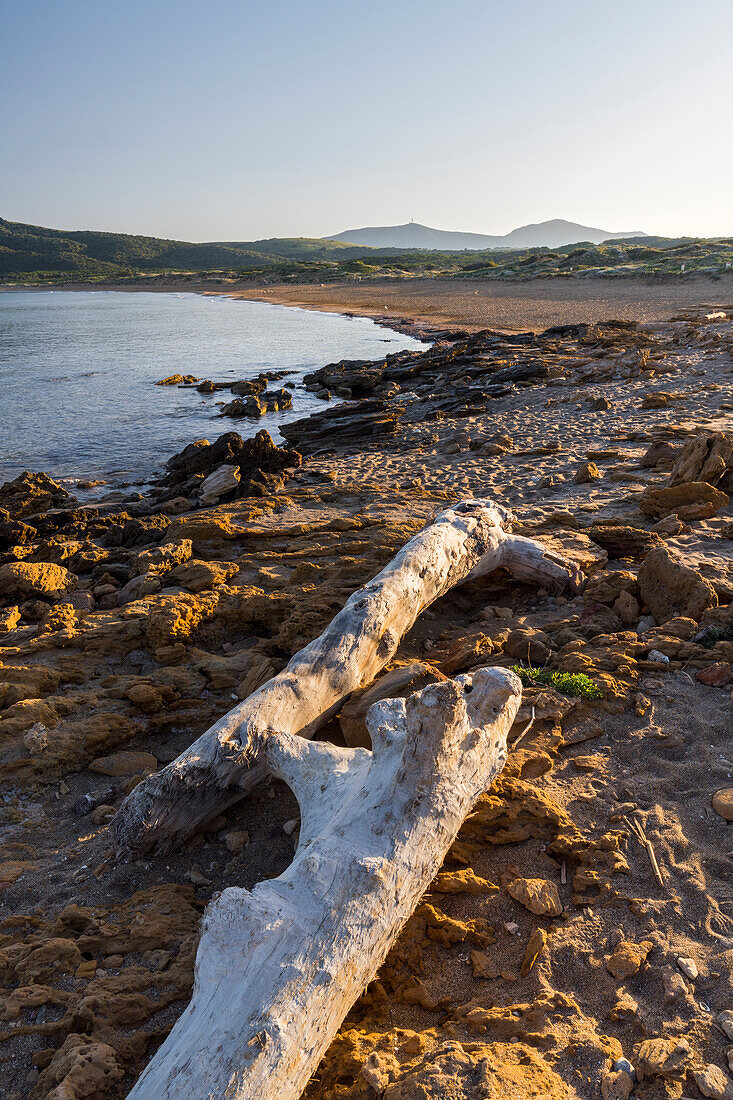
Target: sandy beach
{"x": 507, "y": 306}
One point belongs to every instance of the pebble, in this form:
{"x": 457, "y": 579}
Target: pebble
{"x": 290, "y": 826}
{"x": 688, "y": 968}
{"x": 625, "y": 1065}
{"x": 722, "y": 802}
{"x": 724, "y": 1020}
{"x": 655, "y": 655}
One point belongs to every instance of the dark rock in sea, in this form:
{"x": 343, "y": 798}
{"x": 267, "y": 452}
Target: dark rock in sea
{"x": 249, "y": 406}
{"x": 249, "y": 388}
{"x": 262, "y": 465}
{"x": 279, "y": 399}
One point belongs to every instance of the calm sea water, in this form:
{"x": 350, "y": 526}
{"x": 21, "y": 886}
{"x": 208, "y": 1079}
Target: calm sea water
{"x": 77, "y": 373}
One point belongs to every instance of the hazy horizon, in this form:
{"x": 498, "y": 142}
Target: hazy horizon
{"x": 238, "y": 123}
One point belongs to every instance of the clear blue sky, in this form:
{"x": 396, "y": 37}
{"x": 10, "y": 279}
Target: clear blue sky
{"x": 234, "y": 120}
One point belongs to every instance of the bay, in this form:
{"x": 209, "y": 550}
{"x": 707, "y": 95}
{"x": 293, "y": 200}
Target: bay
{"x": 78, "y": 398}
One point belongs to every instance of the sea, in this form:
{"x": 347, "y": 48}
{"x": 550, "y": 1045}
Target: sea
{"x": 78, "y": 398}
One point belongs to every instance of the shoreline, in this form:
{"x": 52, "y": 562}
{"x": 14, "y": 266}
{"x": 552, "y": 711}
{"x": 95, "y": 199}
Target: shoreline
{"x": 425, "y": 306}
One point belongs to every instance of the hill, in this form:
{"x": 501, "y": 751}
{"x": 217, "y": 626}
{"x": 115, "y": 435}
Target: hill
{"x": 32, "y": 249}
{"x": 36, "y": 255}
{"x": 549, "y": 234}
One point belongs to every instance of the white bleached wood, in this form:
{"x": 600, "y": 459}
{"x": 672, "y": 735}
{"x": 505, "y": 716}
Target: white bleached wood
{"x": 464, "y": 541}
{"x": 279, "y": 967}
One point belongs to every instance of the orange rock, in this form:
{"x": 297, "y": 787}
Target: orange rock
{"x": 628, "y": 958}
{"x": 124, "y": 763}
{"x": 717, "y": 675}
{"x": 536, "y": 894}
{"x": 722, "y": 803}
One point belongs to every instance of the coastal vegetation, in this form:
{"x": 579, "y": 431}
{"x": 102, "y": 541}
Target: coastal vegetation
{"x": 33, "y": 254}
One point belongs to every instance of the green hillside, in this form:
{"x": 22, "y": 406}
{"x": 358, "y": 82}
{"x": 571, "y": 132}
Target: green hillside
{"x": 33, "y": 254}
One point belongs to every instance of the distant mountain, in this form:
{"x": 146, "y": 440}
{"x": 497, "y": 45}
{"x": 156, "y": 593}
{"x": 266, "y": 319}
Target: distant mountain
{"x": 550, "y": 234}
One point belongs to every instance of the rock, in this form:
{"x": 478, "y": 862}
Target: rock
{"x": 15, "y": 533}
{"x": 616, "y": 1085}
{"x": 662, "y": 1058}
{"x": 657, "y": 400}
{"x": 36, "y": 739}
{"x": 23, "y": 579}
{"x": 625, "y": 542}
{"x": 157, "y": 959}
{"x": 535, "y": 944}
{"x": 708, "y": 457}
{"x": 646, "y": 622}
{"x": 609, "y": 585}
{"x": 627, "y": 608}
{"x": 713, "y": 1083}
{"x": 248, "y": 406}
{"x": 674, "y": 984}
{"x": 536, "y": 894}
{"x": 717, "y": 675}
{"x": 198, "y": 879}
{"x": 147, "y": 697}
{"x": 378, "y": 1070}
{"x": 496, "y": 1071}
{"x": 627, "y": 958}
{"x": 249, "y": 387}
{"x": 625, "y": 1065}
{"x": 30, "y": 494}
{"x": 12, "y": 869}
{"x": 87, "y": 803}
{"x": 138, "y": 588}
{"x": 689, "y": 969}
{"x": 660, "y": 454}
{"x": 531, "y": 646}
{"x": 219, "y": 483}
{"x": 724, "y": 1020}
{"x": 102, "y": 815}
{"x": 587, "y": 473}
{"x": 464, "y": 881}
{"x": 685, "y": 500}
{"x": 670, "y": 588}
{"x": 176, "y": 380}
{"x": 658, "y": 656}
{"x": 164, "y": 557}
{"x": 124, "y": 763}
{"x": 278, "y": 400}
{"x": 671, "y": 526}
{"x": 261, "y": 464}
{"x": 142, "y": 531}
{"x": 197, "y": 576}
{"x": 290, "y": 826}
{"x": 9, "y": 619}
{"x": 82, "y": 1067}
{"x": 236, "y": 839}
{"x": 722, "y": 803}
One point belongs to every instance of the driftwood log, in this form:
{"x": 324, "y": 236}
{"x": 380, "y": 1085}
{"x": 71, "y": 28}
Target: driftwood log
{"x": 279, "y": 967}
{"x": 465, "y": 541}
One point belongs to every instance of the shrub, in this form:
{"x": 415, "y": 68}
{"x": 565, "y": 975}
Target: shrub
{"x": 567, "y": 683}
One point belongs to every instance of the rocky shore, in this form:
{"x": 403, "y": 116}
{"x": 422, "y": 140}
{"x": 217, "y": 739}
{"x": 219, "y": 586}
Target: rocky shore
{"x": 579, "y": 939}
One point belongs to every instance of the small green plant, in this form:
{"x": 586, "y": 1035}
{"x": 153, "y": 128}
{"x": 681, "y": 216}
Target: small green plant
{"x": 567, "y": 683}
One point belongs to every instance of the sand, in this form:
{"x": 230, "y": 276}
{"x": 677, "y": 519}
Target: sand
{"x": 508, "y": 306}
